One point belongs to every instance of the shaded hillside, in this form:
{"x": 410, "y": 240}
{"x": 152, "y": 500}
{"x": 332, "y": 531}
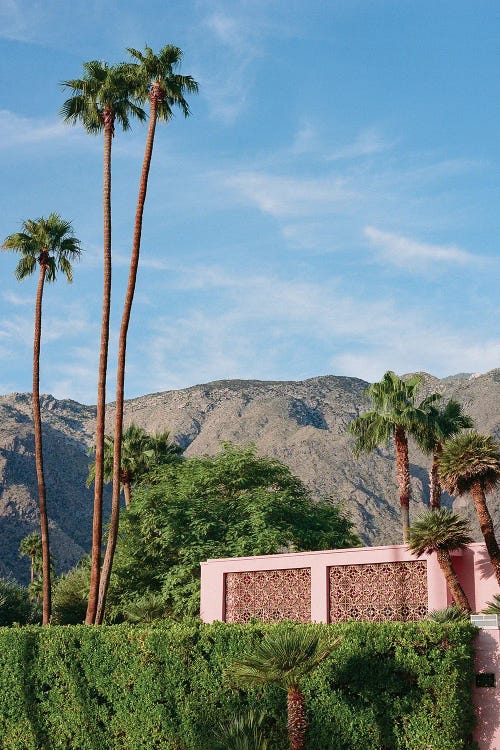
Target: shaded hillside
{"x": 301, "y": 423}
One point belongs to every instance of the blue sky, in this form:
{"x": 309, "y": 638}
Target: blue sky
{"x": 331, "y": 207}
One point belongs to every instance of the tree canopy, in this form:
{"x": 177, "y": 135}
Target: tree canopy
{"x": 235, "y": 503}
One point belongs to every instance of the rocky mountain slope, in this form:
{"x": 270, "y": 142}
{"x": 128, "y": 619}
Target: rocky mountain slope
{"x": 301, "y": 423}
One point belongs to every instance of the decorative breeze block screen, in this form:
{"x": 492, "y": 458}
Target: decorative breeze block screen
{"x": 269, "y": 595}
{"x": 378, "y": 591}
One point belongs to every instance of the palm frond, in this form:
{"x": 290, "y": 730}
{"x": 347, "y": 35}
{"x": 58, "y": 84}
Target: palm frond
{"x": 469, "y": 458}
{"x": 283, "y": 657}
{"x": 438, "y": 529}
{"x": 448, "y": 614}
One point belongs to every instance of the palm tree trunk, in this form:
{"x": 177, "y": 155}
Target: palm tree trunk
{"x": 101, "y": 386}
{"x": 297, "y": 719}
{"x": 37, "y": 423}
{"x": 32, "y": 569}
{"x": 403, "y": 477}
{"x": 435, "y": 485}
{"x": 486, "y": 525}
{"x": 127, "y": 493}
{"x": 452, "y": 581}
{"x": 120, "y": 374}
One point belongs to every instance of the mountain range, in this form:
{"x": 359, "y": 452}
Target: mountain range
{"x": 303, "y": 423}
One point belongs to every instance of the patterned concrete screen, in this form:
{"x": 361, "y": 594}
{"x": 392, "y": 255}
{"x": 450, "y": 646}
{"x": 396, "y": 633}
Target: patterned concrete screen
{"x": 378, "y": 591}
{"x": 269, "y": 595}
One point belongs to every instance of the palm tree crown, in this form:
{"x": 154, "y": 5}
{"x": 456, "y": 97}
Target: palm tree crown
{"x": 48, "y": 242}
{"x": 442, "y": 423}
{"x": 395, "y": 406}
{"x": 469, "y": 459}
{"x": 154, "y": 77}
{"x": 283, "y": 658}
{"x": 140, "y": 452}
{"x": 438, "y": 530}
{"x": 102, "y": 96}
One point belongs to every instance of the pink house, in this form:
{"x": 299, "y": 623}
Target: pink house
{"x": 369, "y": 583}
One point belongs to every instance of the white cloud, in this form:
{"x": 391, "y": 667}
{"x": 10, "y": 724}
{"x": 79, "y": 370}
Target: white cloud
{"x": 412, "y": 254}
{"x": 367, "y": 143}
{"x": 18, "y": 300}
{"x": 290, "y": 196}
{"x": 16, "y": 129}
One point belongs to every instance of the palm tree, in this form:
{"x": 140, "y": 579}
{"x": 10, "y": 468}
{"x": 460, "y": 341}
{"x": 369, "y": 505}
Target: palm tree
{"x": 31, "y": 546}
{"x": 100, "y": 99}
{"x": 442, "y": 423}
{"x": 442, "y": 532}
{"x": 471, "y": 463}
{"x": 242, "y": 732}
{"x": 50, "y": 243}
{"x": 140, "y": 453}
{"x": 154, "y": 79}
{"x": 285, "y": 658}
{"x": 395, "y": 414}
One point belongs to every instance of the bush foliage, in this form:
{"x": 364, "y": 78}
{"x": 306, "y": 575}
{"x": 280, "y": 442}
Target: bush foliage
{"x": 233, "y": 504}
{"x": 387, "y": 686}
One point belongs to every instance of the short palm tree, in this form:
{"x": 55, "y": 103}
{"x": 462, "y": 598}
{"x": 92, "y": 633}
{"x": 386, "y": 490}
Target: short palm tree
{"x": 50, "y": 244}
{"x": 448, "y": 614}
{"x": 140, "y": 453}
{"x": 493, "y": 607}
{"x": 285, "y": 658}
{"x": 154, "y": 79}
{"x": 243, "y": 732}
{"x": 100, "y": 99}
{"x": 442, "y": 532}
{"x": 471, "y": 463}
{"x": 443, "y": 422}
{"x": 31, "y": 546}
{"x": 395, "y": 414}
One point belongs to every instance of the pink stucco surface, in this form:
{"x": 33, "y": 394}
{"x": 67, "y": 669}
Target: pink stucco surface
{"x": 472, "y": 566}
{"x": 473, "y": 569}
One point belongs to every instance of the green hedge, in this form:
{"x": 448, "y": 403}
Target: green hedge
{"x": 387, "y": 686}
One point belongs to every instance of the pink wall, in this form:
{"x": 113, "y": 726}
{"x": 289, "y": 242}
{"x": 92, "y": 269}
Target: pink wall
{"x": 473, "y": 569}
{"x": 472, "y": 566}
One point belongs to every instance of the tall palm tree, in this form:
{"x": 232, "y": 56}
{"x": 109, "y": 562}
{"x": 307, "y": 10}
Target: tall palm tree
{"x": 100, "y": 99}
{"x": 471, "y": 463}
{"x": 153, "y": 78}
{"x": 443, "y": 422}
{"x": 285, "y": 658}
{"x": 140, "y": 453}
{"x": 395, "y": 414}
{"x": 50, "y": 243}
{"x": 31, "y": 546}
{"x": 442, "y": 532}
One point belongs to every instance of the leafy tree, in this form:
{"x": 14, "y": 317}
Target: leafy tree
{"x": 139, "y": 454}
{"x": 100, "y": 100}
{"x": 71, "y": 593}
{"x": 154, "y": 79}
{"x": 443, "y": 422}
{"x": 285, "y": 659}
{"x": 31, "y": 546}
{"x": 471, "y": 463}
{"x": 50, "y": 243}
{"x": 442, "y": 532}
{"x": 232, "y": 504}
{"x": 15, "y": 605}
{"x": 395, "y": 414}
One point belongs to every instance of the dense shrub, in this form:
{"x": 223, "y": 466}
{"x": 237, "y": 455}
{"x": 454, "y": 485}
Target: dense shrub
{"x": 387, "y": 687}
{"x": 15, "y": 604}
